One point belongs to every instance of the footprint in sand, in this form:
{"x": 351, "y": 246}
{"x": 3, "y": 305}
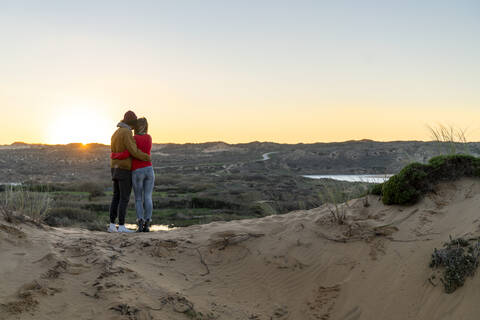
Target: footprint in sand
{"x": 323, "y": 302}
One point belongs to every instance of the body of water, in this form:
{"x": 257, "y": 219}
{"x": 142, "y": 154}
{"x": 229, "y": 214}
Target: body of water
{"x": 153, "y": 227}
{"x": 266, "y": 156}
{"x": 370, "y": 178}
{"x": 13, "y": 184}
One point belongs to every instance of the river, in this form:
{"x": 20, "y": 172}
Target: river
{"x": 266, "y": 156}
{"x": 370, "y": 178}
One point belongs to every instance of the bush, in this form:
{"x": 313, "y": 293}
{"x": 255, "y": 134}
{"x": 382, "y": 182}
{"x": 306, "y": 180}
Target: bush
{"x": 405, "y": 187}
{"x": 38, "y": 187}
{"x": 189, "y": 187}
{"x": 166, "y": 203}
{"x": 460, "y": 259}
{"x": 67, "y": 217}
{"x": 263, "y": 209}
{"x": 32, "y": 204}
{"x": 210, "y": 203}
{"x": 94, "y": 189}
{"x": 98, "y": 207}
{"x": 254, "y": 177}
{"x": 453, "y": 167}
{"x": 416, "y": 179}
{"x": 377, "y": 189}
{"x": 167, "y": 179}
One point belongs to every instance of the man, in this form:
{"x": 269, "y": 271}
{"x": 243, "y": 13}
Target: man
{"x": 123, "y": 140}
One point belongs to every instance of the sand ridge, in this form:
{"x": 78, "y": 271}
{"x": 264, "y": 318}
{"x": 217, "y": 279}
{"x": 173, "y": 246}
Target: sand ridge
{"x": 301, "y": 265}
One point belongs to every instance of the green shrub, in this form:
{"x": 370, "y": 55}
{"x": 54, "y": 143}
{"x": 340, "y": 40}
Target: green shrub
{"x": 416, "y": 179}
{"x": 405, "y": 187}
{"x": 377, "y": 189}
{"x": 263, "y": 209}
{"x": 454, "y": 166}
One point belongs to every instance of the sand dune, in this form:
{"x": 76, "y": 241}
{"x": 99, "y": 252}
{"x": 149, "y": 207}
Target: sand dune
{"x": 301, "y": 265}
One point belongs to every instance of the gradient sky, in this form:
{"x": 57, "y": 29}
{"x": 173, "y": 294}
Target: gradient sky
{"x": 239, "y": 71}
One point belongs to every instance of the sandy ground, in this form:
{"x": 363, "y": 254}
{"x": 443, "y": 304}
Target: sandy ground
{"x": 302, "y": 265}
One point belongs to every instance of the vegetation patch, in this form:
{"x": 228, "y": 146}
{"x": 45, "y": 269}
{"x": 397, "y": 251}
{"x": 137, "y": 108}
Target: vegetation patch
{"x": 34, "y": 205}
{"x": 459, "y": 258}
{"x": 377, "y": 189}
{"x": 69, "y": 217}
{"x": 416, "y": 179}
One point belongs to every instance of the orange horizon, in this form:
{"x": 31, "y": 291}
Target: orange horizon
{"x": 230, "y": 143}
{"x": 239, "y": 72}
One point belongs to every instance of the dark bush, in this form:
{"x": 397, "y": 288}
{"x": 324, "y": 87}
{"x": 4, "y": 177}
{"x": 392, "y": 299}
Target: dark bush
{"x": 94, "y": 189}
{"x": 254, "y": 177}
{"x": 188, "y": 187}
{"x": 97, "y": 207}
{"x": 167, "y": 203}
{"x": 66, "y": 203}
{"x": 416, "y": 179}
{"x": 167, "y": 179}
{"x": 377, "y": 189}
{"x": 65, "y": 217}
{"x": 213, "y": 204}
{"x": 37, "y": 187}
{"x": 460, "y": 258}
{"x": 453, "y": 166}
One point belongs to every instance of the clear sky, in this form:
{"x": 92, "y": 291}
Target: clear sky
{"x": 239, "y": 71}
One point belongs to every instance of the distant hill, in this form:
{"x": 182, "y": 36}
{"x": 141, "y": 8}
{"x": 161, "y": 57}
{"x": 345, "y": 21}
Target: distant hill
{"x": 20, "y": 161}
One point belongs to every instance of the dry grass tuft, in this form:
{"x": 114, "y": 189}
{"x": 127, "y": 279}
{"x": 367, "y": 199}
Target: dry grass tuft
{"x": 15, "y": 203}
{"x": 451, "y": 139}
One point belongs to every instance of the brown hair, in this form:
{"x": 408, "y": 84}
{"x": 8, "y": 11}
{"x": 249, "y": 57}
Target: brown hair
{"x": 130, "y": 118}
{"x": 141, "y": 126}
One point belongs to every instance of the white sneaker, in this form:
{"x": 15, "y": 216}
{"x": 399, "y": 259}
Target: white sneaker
{"x": 121, "y": 228}
{"x": 112, "y": 228}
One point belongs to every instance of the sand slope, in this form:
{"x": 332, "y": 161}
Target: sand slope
{"x": 301, "y": 265}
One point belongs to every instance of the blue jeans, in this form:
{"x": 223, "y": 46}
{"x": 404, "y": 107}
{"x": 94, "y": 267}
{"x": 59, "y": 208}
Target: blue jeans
{"x": 143, "y": 180}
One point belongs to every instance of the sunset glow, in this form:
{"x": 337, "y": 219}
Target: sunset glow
{"x": 79, "y": 125}
{"x": 238, "y": 71}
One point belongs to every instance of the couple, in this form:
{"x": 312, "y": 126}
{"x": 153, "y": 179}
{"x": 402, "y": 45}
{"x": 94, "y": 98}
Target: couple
{"x": 131, "y": 164}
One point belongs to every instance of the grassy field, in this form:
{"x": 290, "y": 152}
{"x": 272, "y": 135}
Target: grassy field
{"x": 195, "y": 185}
{"x": 183, "y": 200}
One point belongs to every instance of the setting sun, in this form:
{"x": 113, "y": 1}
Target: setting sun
{"x": 80, "y": 125}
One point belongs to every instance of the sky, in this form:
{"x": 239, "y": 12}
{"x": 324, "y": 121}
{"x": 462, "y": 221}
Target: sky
{"x": 239, "y": 71}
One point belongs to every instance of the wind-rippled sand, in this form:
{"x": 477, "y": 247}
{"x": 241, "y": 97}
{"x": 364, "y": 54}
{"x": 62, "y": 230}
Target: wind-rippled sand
{"x": 301, "y": 265}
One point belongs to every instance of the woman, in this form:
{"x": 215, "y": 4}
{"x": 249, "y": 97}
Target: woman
{"x": 143, "y": 177}
{"x": 122, "y": 139}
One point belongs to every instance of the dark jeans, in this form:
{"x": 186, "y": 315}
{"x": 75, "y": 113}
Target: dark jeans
{"x": 122, "y": 188}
